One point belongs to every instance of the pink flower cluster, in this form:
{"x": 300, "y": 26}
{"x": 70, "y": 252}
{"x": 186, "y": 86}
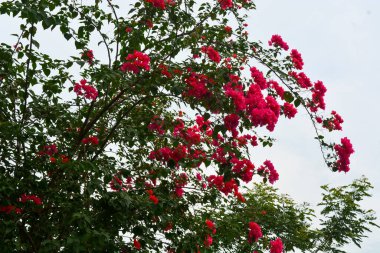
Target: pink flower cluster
{"x": 243, "y": 168}
{"x": 157, "y": 3}
{"x": 23, "y": 199}
{"x": 235, "y": 91}
{"x": 225, "y": 187}
{"x": 279, "y": 90}
{"x": 302, "y": 80}
{"x": 262, "y": 111}
{"x": 208, "y": 241}
{"x": 86, "y": 90}
{"x": 225, "y": 4}
{"x": 9, "y": 209}
{"x": 254, "y": 233}
{"x": 318, "y": 100}
{"x": 49, "y": 150}
{"x": 231, "y": 122}
{"x": 211, "y": 225}
{"x": 89, "y": 56}
{"x": 259, "y": 78}
{"x": 334, "y": 123}
{"x": 344, "y": 151}
{"x": 197, "y": 86}
{"x": 268, "y": 169}
{"x": 91, "y": 140}
{"x": 276, "y": 246}
{"x": 211, "y": 53}
{"x": 296, "y": 59}
{"x": 276, "y": 40}
{"x": 156, "y": 125}
{"x": 136, "y": 62}
{"x": 36, "y": 200}
{"x": 166, "y": 154}
{"x": 289, "y": 110}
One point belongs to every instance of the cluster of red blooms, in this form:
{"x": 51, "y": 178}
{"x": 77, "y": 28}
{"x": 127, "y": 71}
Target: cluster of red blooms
{"x": 166, "y": 154}
{"x": 136, "y": 62}
{"x": 197, "y": 86}
{"x": 211, "y": 226}
{"x": 156, "y": 125}
{"x": 208, "y": 241}
{"x": 211, "y": 53}
{"x": 318, "y": 97}
{"x": 23, "y": 199}
{"x": 225, "y": 4}
{"x": 254, "y": 233}
{"x": 296, "y": 59}
{"x": 335, "y": 123}
{"x": 302, "y": 80}
{"x": 235, "y": 91}
{"x": 344, "y": 151}
{"x": 152, "y": 197}
{"x": 161, "y": 3}
{"x": 279, "y": 90}
{"x": 244, "y": 168}
{"x": 164, "y": 70}
{"x": 259, "y": 78}
{"x": 136, "y": 244}
{"x": 49, "y": 150}
{"x": 231, "y": 122}
{"x": 9, "y": 209}
{"x": 86, "y": 90}
{"x": 276, "y": 246}
{"x": 93, "y": 140}
{"x": 276, "y": 40}
{"x": 89, "y": 56}
{"x": 289, "y": 110}
{"x": 228, "y": 29}
{"x": 268, "y": 169}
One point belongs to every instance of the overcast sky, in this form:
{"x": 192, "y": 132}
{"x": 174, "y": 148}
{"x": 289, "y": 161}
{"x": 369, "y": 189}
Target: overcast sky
{"x": 339, "y": 43}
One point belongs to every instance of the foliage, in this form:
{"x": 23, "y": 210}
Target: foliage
{"x": 121, "y": 155}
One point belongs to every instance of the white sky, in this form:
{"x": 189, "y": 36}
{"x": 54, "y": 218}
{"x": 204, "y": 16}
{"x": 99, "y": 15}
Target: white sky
{"x": 338, "y": 41}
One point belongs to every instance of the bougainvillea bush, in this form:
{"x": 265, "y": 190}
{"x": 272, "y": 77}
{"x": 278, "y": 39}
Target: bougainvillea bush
{"x": 141, "y": 152}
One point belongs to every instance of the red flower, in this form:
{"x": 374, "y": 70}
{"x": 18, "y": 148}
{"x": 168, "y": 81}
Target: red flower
{"x": 276, "y": 246}
{"x": 64, "y": 159}
{"x": 149, "y": 23}
{"x": 137, "y": 244}
{"x": 154, "y": 199}
{"x": 227, "y": 29}
{"x": 254, "y": 232}
{"x": 10, "y": 208}
{"x": 208, "y": 241}
{"x": 136, "y": 62}
{"x": 210, "y": 224}
{"x": 36, "y": 200}
{"x": 276, "y": 40}
{"x": 289, "y": 110}
{"x": 89, "y": 56}
{"x": 211, "y": 53}
{"x": 224, "y": 4}
{"x": 344, "y": 151}
{"x": 88, "y": 91}
{"x": 296, "y": 59}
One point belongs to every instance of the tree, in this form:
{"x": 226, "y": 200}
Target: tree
{"x": 135, "y": 153}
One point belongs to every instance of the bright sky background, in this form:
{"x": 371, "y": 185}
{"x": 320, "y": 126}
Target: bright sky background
{"x": 339, "y": 43}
